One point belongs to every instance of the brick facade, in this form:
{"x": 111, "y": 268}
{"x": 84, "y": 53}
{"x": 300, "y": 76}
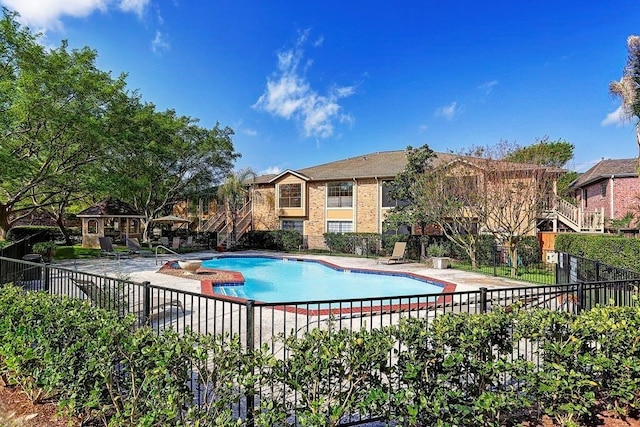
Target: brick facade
{"x": 621, "y": 196}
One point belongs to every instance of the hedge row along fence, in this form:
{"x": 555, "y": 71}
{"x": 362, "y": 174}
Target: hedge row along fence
{"x": 607, "y": 249}
{"x": 456, "y": 369}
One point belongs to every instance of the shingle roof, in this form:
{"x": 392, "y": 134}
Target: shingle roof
{"x": 111, "y": 207}
{"x": 385, "y": 164}
{"x": 605, "y": 168}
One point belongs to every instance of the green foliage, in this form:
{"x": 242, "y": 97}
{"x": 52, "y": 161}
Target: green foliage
{"x": 76, "y": 252}
{"x": 611, "y": 250}
{"x": 485, "y": 248}
{"x": 46, "y": 249}
{"x": 332, "y": 372}
{"x": 277, "y": 240}
{"x": 347, "y": 243}
{"x": 451, "y": 369}
{"x": 543, "y": 152}
{"x": 529, "y": 250}
{"x": 437, "y": 250}
{"x": 409, "y": 187}
{"x": 98, "y": 367}
{"x": 44, "y": 233}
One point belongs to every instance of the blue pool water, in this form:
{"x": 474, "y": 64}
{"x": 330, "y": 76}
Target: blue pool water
{"x": 289, "y": 280}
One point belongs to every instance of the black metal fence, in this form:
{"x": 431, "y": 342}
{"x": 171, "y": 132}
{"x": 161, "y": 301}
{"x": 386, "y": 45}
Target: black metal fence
{"x": 258, "y": 324}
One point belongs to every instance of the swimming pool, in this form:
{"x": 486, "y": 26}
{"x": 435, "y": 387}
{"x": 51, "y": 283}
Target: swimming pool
{"x": 288, "y": 280}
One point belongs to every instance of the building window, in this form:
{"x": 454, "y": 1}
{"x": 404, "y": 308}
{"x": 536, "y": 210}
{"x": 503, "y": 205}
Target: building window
{"x": 292, "y": 224}
{"x": 339, "y": 226}
{"x": 603, "y": 188}
{"x": 92, "y": 226}
{"x": 133, "y": 226}
{"x": 387, "y": 200}
{"x": 340, "y": 194}
{"x": 585, "y": 197}
{"x": 290, "y": 196}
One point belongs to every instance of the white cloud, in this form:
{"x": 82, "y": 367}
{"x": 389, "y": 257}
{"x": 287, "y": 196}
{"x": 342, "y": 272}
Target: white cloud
{"x": 289, "y": 95}
{"x": 616, "y": 118}
{"x": 488, "y": 86}
{"x": 448, "y": 111}
{"x": 250, "y": 132}
{"x": 135, "y": 6}
{"x": 159, "y": 44}
{"x": 46, "y": 14}
{"x": 275, "y": 170}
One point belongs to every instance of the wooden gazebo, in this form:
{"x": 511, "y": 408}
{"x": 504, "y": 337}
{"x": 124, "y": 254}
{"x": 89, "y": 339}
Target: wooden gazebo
{"x": 109, "y": 217}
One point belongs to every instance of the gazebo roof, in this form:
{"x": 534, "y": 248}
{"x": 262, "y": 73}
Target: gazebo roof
{"x": 111, "y": 207}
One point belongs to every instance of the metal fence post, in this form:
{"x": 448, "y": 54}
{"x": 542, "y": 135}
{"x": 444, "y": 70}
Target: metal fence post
{"x": 495, "y": 262}
{"x": 596, "y": 266}
{"x": 250, "y": 398}
{"x": 146, "y": 302}
{"x": 483, "y": 300}
{"x": 580, "y": 295}
{"x": 47, "y": 277}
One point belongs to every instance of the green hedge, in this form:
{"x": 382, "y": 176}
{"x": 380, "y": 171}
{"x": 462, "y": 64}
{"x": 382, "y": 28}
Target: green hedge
{"x": 609, "y": 249}
{"x": 277, "y": 240}
{"x": 455, "y": 369}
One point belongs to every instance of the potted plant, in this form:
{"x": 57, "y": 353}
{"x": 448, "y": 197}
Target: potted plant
{"x": 46, "y": 249}
{"x": 438, "y": 253}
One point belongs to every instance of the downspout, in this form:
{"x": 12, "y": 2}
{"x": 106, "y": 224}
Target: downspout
{"x": 611, "y": 198}
{"x": 378, "y": 206}
{"x": 355, "y": 206}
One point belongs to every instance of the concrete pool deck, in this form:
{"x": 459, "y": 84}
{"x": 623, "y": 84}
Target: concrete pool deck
{"x": 144, "y": 268}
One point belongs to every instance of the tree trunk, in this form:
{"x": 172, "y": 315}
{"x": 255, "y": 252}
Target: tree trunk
{"x": 63, "y": 230}
{"x": 513, "y": 257}
{"x": 4, "y": 221}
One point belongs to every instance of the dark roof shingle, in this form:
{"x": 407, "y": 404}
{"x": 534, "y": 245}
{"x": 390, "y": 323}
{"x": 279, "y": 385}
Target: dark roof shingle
{"x": 604, "y": 169}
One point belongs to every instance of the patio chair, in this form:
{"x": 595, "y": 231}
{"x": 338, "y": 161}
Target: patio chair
{"x": 102, "y": 299}
{"x": 106, "y": 248}
{"x": 176, "y": 243}
{"x": 133, "y": 244}
{"x": 398, "y": 253}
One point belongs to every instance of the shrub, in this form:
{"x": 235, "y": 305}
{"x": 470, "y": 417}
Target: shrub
{"x": 608, "y": 249}
{"x": 46, "y": 249}
{"x": 529, "y": 250}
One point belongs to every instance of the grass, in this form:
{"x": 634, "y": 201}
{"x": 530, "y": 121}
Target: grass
{"x": 539, "y": 274}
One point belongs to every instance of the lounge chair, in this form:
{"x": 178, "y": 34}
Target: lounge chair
{"x": 176, "y": 243}
{"x": 106, "y": 248}
{"x": 399, "y": 250}
{"x": 102, "y": 299}
{"x": 133, "y": 244}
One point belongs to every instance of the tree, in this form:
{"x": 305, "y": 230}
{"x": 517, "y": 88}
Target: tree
{"x": 543, "y": 152}
{"x": 163, "y": 157}
{"x": 629, "y": 85}
{"x": 52, "y": 119}
{"x": 454, "y": 195}
{"x": 408, "y": 188}
{"x": 514, "y": 197}
{"x": 235, "y": 192}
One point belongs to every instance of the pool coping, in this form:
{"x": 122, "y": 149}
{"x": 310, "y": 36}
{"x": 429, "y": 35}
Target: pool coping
{"x": 294, "y": 306}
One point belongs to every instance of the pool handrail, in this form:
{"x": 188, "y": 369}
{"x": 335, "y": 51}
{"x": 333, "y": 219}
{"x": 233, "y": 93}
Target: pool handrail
{"x": 168, "y": 250}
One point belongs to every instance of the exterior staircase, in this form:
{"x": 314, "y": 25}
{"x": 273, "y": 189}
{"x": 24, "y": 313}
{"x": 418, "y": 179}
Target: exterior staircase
{"x": 222, "y": 224}
{"x": 575, "y": 218}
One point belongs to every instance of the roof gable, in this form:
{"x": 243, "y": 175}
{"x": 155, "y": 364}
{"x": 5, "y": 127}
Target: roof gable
{"x": 606, "y": 168}
{"x": 111, "y": 207}
{"x": 288, "y": 172}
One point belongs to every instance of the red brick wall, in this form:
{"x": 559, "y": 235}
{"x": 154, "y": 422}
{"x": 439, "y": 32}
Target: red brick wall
{"x": 625, "y": 197}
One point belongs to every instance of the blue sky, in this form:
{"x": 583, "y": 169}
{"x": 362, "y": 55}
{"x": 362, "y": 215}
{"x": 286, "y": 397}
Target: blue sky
{"x": 304, "y": 83}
